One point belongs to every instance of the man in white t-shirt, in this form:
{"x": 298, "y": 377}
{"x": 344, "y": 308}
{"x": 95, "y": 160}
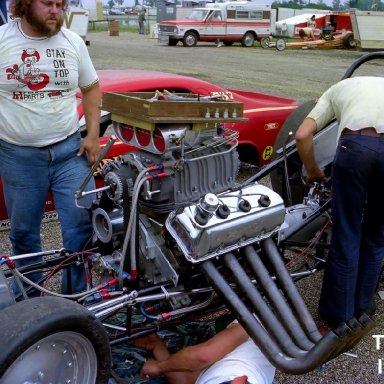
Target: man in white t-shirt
{"x": 230, "y": 356}
{"x": 42, "y": 68}
{"x": 357, "y": 244}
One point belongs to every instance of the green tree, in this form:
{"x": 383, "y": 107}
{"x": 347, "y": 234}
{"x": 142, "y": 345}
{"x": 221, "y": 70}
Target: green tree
{"x": 363, "y": 5}
{"x": 377, "y": 5}
{"x": 298, "y": 4}
{"x": 111, "y": 4}
{"x": 336, "y": 5}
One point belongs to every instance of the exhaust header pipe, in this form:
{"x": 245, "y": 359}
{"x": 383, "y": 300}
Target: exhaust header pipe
{"x": 274, "y": 314}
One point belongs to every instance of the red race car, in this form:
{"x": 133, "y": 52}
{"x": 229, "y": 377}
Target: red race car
{"x": 265, "y": 113}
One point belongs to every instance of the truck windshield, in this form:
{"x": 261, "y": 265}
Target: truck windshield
{"x": 198, "y": 14}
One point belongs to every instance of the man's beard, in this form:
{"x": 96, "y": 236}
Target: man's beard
{"x": 41, "y": 26}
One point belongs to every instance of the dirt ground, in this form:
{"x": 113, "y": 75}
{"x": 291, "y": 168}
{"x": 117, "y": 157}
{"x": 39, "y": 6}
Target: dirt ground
{"x": 299, "y": 74}
{"x": 294, "y": 73}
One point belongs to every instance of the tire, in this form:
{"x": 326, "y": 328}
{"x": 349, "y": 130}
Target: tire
{"x": 280, "y": 44}
{"x": 50, "y": 339}
{"x": 264, "y": 42}
{"x": 248, "y": 40}
{"x": 248, "y": 154}
{"x": 228, "y": 43}
{"x": 359, "y": 62}
{"x": 349, "y": 41}
{"x": 173, "y": 42}
{"x": 190, "y": 39}
{"x": 327, "y": 37}
{"x": 104, "y": 126}
{"x": 298, "y": 188}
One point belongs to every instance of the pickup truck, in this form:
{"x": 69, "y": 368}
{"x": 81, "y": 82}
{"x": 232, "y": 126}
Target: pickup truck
{"x": 229, "y": 22}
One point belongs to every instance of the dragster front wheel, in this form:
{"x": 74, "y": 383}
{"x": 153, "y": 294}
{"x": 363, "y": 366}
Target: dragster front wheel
{"x": 52, "y": 340}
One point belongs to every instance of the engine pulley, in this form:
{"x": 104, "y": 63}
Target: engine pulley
{"x": 108, "y": 223}
{"x": 115, "y": 184}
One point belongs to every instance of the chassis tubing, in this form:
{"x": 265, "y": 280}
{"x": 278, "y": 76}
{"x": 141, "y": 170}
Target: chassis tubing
{"x": 326, "y": 348}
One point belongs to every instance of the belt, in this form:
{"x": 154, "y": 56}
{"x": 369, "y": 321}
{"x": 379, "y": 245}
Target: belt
{"x": 369, "y": 131}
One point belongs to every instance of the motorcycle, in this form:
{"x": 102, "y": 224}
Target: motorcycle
{"x": 177, "y": 237}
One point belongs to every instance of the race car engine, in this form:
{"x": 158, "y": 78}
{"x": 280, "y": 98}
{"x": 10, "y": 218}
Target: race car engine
{"x": 184, "y": 203}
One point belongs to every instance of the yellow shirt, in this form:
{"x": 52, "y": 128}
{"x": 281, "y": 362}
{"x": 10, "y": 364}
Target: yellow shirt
{"x": 356, "y": 103}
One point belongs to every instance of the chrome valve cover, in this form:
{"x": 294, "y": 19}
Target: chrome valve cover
{"x": 242, "y": 217}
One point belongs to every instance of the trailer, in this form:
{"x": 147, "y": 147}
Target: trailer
{"x": 289, "y": 28}
{"x": 368, "y": 29}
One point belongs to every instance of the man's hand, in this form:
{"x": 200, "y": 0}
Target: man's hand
{"x": 150, "y": 369}
{"x": 315, "y": 175}
{"x": 90, "y": 145}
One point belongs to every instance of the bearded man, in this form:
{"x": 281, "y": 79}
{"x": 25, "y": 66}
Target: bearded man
{"x": 42, "y": 66}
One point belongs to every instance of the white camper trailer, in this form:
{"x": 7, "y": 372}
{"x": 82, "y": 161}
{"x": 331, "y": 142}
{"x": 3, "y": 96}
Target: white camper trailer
{"x": 368, "y": 29}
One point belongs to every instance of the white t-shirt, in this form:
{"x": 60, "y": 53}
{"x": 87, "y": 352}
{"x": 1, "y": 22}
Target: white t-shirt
{"x": 246, "y": 359}
{"x": 356, "y": 103}
{"x": 39, "y": 79}
{"x": 311, "y": 24}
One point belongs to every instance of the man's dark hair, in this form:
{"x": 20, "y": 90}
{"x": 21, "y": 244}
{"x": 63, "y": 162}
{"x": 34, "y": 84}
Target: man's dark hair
{"x": 18, "y": 8}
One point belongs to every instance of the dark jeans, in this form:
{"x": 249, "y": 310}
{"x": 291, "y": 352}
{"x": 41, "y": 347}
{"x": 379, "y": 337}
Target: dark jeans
{"x": 28, "y": 173}
{"x": 141, "y": 27}
{"x": 357, "y": 244}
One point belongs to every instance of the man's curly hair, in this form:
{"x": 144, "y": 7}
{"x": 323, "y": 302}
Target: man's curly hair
{"x": 18, "y": 8}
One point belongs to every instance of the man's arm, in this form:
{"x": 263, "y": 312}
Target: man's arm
{"x": 305, "y": 147}
{"x": 196, "y": 358}
{"x": 91, "y": 105}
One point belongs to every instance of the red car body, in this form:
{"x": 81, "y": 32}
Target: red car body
{"x": 265, "y": 113}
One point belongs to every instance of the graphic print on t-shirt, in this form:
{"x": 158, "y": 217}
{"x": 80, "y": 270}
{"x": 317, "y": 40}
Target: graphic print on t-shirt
{"x": 28, "y": 73}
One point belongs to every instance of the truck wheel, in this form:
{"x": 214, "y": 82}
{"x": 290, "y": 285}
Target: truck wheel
{"x": 53, "y": 340}
{"x": 298, "y": 188}
{"x": 248, "y": 39}
{"x": 349, "y": 41}
{"x": 190, "y": 39}
{"x": 173, "y": 42}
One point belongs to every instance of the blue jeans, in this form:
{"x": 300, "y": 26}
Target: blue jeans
{"x": 141, "y": 27}
{"x": 28, "y": 173}
{"x": 357, "y": 243}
